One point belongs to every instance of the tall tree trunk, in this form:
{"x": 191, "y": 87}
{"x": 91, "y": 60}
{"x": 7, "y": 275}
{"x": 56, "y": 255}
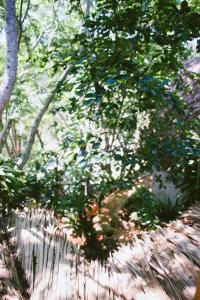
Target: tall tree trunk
{"x": 10, "y": 71}
{"x": 30, "y": 140}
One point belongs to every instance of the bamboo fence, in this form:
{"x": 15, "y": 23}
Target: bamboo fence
{"x": 160, "y": 265}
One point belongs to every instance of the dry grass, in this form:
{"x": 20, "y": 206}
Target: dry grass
{"x": 161, "y": 265}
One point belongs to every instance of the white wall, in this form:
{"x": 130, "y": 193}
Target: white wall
{"x": 168, "y": 191}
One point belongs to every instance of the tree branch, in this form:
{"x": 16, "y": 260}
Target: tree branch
{"x": 22, "y": 19}
{"x": 29, "y": 144}
{"x": 4, "y": 134}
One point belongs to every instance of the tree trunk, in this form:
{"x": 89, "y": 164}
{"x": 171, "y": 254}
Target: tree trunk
{"x": 88, "y": 5}
{"x": 29, "y": 144}
{"x": 4, "y": 134}
{"x": 10, "y": 71}
{"x": 33, "y": 132}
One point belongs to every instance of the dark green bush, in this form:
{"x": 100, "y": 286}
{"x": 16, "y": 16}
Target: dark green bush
{"x": 44, "y": 179}
{"x": 144, "y": 204}
{"x": 12, "y": 186}
{"x": 148, "y": 211}
{"x": 168, "y": 211}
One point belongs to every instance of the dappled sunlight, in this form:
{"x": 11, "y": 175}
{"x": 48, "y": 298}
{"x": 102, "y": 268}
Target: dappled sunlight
{"x": 162, "y": 264}
{"x": 99, "y": 149}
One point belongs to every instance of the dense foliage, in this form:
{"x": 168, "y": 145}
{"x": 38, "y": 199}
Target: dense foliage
{"x": 12, "y": 186}
{"x": 118, "y": 113}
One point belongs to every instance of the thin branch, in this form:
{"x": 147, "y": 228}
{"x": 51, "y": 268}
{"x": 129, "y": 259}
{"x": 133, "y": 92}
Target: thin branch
{"x": 8, "y": 150}
{"x": 4, "y": 134}
{"x": 12, "y": 143}
{"x": 22, "y": 19}
{"x": 40, "y": 140}
{"x": 20, "y": 22}
{"x": 38, "y": 39}
{"x": 26, "y": 12}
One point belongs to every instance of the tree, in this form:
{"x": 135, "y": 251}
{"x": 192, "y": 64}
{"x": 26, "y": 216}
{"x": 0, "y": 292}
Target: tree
{"x": 10, "y": 72}
{"x": 123, "y": 56}
{"x": 131, "y": 55}
{"x": 34, "y": 129}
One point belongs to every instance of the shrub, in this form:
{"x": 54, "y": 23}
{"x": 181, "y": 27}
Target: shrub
{"x": 147, "y": 211}
{"x": 12, "y": 186}
{"x": 144, "y": 204}
{"x": 168, "y": 211}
